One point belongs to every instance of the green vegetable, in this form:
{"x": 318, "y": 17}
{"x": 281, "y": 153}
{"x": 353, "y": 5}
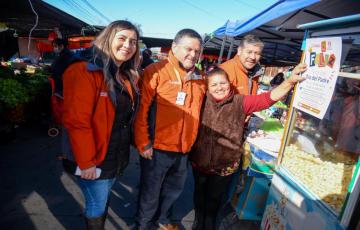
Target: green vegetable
{"x": 12, "y": 93}
{"x": 280, "y": 105}
{"x": 272, "y": 125}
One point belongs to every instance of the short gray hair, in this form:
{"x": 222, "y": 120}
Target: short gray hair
{"x": 251, "y": 39}
{"x": 187, "y": 33}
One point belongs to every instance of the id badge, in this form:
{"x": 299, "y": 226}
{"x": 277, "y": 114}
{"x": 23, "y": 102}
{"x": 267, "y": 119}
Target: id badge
{"x": 180, "y": 98}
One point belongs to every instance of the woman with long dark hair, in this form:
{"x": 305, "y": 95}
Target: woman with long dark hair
{"x": 100, "y": 101}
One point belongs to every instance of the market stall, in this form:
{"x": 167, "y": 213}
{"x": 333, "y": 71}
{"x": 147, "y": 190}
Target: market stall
{"x": 24, "y": 94}
{"x": 316, "y": 183}
{"x": 261, "y": 148}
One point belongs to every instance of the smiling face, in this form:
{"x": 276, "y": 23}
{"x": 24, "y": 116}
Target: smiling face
{"x": 124, "y": 45}
{"x": 218, "y": 86}
{"x": 187, "y": 51}
{"x": 249, "y": 55}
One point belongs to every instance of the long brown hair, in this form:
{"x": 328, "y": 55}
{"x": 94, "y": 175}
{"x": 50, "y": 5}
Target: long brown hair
{"x": 102, "y": 51}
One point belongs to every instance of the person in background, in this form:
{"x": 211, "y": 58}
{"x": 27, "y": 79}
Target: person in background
{"x": 166, "y": 127}
{"x": 216, "y": 153}
{"x": 100, "y": 102}
{"x": 348, "y": 134}
{"x": 64, "y": 57}
{"x": 244, "y": 69}
{"x": 146, "y": 58}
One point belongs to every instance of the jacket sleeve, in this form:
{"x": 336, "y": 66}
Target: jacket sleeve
{"x": 148, "y": 93}
{"x": 79, "y": 98}
{"x": 253, "y": 103}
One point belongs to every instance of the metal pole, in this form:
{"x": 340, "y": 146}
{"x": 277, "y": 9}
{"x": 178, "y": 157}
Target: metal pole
{"x": 202, "y": 49}
{"x": 230, "y": 48}
{"x": 222, "y": 50}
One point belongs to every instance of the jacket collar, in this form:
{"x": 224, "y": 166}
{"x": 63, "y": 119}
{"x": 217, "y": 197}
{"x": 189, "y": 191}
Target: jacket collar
{"x": 176, "y": 64}
{"x": 238, "y": 63}
{"x": 193, "y": 74}
{"x": 91, "y": 67}
{"x": 97, "y": 65}
{"x": 254, "y": 72}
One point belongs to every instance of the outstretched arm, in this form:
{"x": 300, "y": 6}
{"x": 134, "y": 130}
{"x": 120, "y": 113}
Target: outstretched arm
{"x": 253, "y": 103}
{"x": 280, "y": 91}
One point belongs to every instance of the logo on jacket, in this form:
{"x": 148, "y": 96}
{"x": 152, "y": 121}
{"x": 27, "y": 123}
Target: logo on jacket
{"x": 194, "y": 76}
{"x": 174, "y": 82}
{"x": 103, "y": 94}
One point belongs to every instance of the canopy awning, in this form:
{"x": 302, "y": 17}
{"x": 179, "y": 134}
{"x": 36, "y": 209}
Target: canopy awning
{"x": 18, "y": 15}
{"x": 280, "y": 34}
{"x": 276, "y": 10}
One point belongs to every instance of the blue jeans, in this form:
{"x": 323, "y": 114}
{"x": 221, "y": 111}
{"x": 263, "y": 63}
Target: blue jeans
{"x": 96, "y": 193}
{"x": 162, "y": 181}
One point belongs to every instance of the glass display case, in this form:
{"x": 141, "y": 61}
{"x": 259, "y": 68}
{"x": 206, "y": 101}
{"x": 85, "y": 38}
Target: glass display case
{"x": 322, "y": 154}
{"x": 316, "y": 184}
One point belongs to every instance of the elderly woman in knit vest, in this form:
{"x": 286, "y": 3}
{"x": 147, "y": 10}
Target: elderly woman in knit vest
{"x": 216, "y": 152}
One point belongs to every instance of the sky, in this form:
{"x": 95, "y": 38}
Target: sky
{"x": 163, "y": 18}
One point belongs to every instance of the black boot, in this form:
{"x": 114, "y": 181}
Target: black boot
{"x": 96, "y": 223}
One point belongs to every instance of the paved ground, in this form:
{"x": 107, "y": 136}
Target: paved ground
{"x": 36, "y": 194}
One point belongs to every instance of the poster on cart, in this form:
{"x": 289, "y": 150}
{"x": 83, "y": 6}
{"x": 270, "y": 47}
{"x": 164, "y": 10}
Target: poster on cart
{"x": 322, "y": 56}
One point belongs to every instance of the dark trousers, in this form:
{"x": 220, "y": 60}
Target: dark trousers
{"x": 209, "y": 195}
{"x": 161, "y": 183}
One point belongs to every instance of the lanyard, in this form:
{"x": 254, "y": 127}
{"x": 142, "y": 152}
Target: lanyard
{"x": 178, "y": 77}
{"x": 177, "y": 74}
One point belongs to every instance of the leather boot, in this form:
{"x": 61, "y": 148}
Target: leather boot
{"x": 96, "y": 223}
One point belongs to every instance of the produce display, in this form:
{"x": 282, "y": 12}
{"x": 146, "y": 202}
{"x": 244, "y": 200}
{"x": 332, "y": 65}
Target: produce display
{"x": 266, "y": 134}
{"x": 22, "y": 94}
{"x": 280, "y": 105}
{"x": 272, "y": 125}
{"x": 327, "y": 175}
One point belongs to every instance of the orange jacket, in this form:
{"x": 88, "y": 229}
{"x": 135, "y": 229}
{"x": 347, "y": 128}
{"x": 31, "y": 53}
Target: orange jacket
{"x": 238, "y": 76}
{"x": 88, "y": 113}
{"x": 175, "y": 126}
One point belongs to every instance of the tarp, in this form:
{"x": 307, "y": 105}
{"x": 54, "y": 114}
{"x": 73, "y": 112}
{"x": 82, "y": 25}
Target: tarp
{"x": 281, "y": 36}
{"x": 18, "y": 15}
{"x": 278, "y": 9}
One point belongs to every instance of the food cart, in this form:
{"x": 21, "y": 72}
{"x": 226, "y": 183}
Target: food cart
{"x": 249, "y": 188}
{"x": 316, "y": 181}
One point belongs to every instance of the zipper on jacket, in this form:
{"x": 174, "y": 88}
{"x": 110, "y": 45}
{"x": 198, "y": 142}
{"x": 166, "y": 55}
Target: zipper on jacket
{"x": 183, "y": 120}
{"x": 212, "y": 132}
{"x": 211, "y": 149}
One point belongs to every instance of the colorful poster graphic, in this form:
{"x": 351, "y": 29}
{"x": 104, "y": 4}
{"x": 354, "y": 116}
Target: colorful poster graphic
{"x": 322, "y": 55}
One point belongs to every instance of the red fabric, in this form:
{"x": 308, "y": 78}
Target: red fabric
{"x": 56, "y": 105}
{"x": 253, "y": 103}
{"x": 52, "y": 36}
{"x": 56, "y": 109}
{"x": 44, "y": 46}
